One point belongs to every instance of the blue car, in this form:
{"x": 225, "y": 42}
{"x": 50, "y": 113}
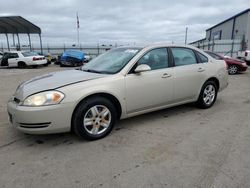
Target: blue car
{"x": 72, "y": 58}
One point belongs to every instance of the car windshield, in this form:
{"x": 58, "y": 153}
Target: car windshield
{"x": 112, "y": 61}
{"x": 27, "y": 54}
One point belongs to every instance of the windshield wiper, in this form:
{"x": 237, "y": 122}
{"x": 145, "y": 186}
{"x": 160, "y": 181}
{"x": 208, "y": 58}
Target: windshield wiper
{"x": 91, "y": 70}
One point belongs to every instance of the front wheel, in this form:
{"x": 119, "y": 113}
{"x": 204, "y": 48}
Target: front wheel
{"x": 94, "y": 118}
{"x": 207, "y": 95}
{"x": 232, "y": 69}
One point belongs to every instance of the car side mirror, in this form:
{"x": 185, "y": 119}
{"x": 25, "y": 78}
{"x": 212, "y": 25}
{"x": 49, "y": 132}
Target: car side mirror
{"x": 142, "y": 68}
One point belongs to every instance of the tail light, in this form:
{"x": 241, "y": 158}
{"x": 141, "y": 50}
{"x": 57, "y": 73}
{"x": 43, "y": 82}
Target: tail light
{"x": 246, "y": 54}
{"x": 37, "y": 58}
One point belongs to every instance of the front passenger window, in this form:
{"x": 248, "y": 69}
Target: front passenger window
{"x": 156, "y": 59}
{"x": 183, "y": 56}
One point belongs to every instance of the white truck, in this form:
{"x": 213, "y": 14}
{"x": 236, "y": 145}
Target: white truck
{"x": 244, "y": 55}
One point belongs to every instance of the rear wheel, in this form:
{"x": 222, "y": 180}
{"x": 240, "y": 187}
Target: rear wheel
{"x": 232, "y": 69}
{"x": 207, "y": 95}
{"x": 21, "y": 65}
{"x": 94, "y": 118}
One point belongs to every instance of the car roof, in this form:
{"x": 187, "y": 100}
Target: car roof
{"x": 159, "y": 45}
{"x": 169, "y": 45}
{"x": 13, "y": 52}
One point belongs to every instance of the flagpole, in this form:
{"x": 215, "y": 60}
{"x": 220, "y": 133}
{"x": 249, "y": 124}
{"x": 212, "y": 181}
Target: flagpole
{"x": 77, "y": 27}
{"x": 78, "y": 36}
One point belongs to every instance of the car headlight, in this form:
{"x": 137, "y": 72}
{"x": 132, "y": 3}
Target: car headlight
{"x": 44, "y": 98}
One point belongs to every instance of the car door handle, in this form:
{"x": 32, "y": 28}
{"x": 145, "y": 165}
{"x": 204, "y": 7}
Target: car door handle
{"x": 166, "y": 75}
{"x": 201, "y": 69}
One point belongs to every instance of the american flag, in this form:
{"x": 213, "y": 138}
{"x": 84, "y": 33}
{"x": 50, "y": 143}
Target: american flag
{"x": 77, "y": 21}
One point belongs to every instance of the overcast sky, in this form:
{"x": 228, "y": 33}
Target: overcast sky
{"x": 122, "y": 21}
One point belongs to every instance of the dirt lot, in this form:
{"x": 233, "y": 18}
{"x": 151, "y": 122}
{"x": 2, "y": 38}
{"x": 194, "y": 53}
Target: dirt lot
{"x": 178, "y": 147}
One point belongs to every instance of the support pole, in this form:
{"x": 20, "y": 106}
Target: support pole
{"x": 232, "y": 49}
{"x": 19, "y": 47}
{"x": 7, "y": 41}
{"x": 13, "y": 35}
{"x": 29, "y": 41}
{"x": 41, "y": 45}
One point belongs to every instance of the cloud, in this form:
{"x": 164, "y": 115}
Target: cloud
{"x": 127, "y": 21}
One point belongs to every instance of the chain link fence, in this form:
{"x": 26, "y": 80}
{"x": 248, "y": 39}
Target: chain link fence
{"x": 223, "y": 47}
{"x": 59, "y": 49}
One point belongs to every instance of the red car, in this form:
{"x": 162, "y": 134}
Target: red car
{"x": 234, "y": 65}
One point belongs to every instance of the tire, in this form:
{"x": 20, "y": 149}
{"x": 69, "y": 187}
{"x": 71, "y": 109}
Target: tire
{"x": 232, "y": 69}
{"x": 21, "y": 65}
{"x": 45, "y": 65}
{"x": 94, "y": 118}
{"x": 208, "y": 95}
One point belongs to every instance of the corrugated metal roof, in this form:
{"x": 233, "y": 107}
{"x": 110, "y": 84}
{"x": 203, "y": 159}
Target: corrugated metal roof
{"x": 17, "y": 24}
{"x": 239, "y": 14}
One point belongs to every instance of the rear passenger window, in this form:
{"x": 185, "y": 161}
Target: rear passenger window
{"x": 13, "y": 55}
{"x": 203, "y": 59}
{"x": 183, "y": 56}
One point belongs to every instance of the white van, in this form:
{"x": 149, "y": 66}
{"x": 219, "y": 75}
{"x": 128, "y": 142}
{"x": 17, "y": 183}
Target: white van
{"x": 245, "y": 55}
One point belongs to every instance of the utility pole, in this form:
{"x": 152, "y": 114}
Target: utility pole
{"x": 186, "y": 35}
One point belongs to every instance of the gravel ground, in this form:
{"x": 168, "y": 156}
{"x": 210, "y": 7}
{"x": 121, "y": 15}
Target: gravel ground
{"x": 177, "y": 147}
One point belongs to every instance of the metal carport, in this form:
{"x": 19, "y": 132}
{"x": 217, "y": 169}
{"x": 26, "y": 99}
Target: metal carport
{"x": 18, "y": 25}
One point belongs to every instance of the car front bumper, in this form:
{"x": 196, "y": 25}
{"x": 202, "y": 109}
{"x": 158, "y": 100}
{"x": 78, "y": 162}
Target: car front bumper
{"x": 41, "y": 120}
{"x": 243, "y": 67}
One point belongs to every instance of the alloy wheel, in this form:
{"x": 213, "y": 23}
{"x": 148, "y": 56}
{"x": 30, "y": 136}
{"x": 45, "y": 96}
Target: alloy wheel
{"x": 232, "y": 69}
{"x": 209, "y": 94}
{"x": 97, "y": 119}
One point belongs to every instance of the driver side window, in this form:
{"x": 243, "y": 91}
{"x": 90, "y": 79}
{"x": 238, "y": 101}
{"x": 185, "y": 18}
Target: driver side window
{"x": 156, "y": 59}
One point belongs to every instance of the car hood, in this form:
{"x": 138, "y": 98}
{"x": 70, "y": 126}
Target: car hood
{"x": 234, "y": 60}
{"x": 52, "y": 81}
